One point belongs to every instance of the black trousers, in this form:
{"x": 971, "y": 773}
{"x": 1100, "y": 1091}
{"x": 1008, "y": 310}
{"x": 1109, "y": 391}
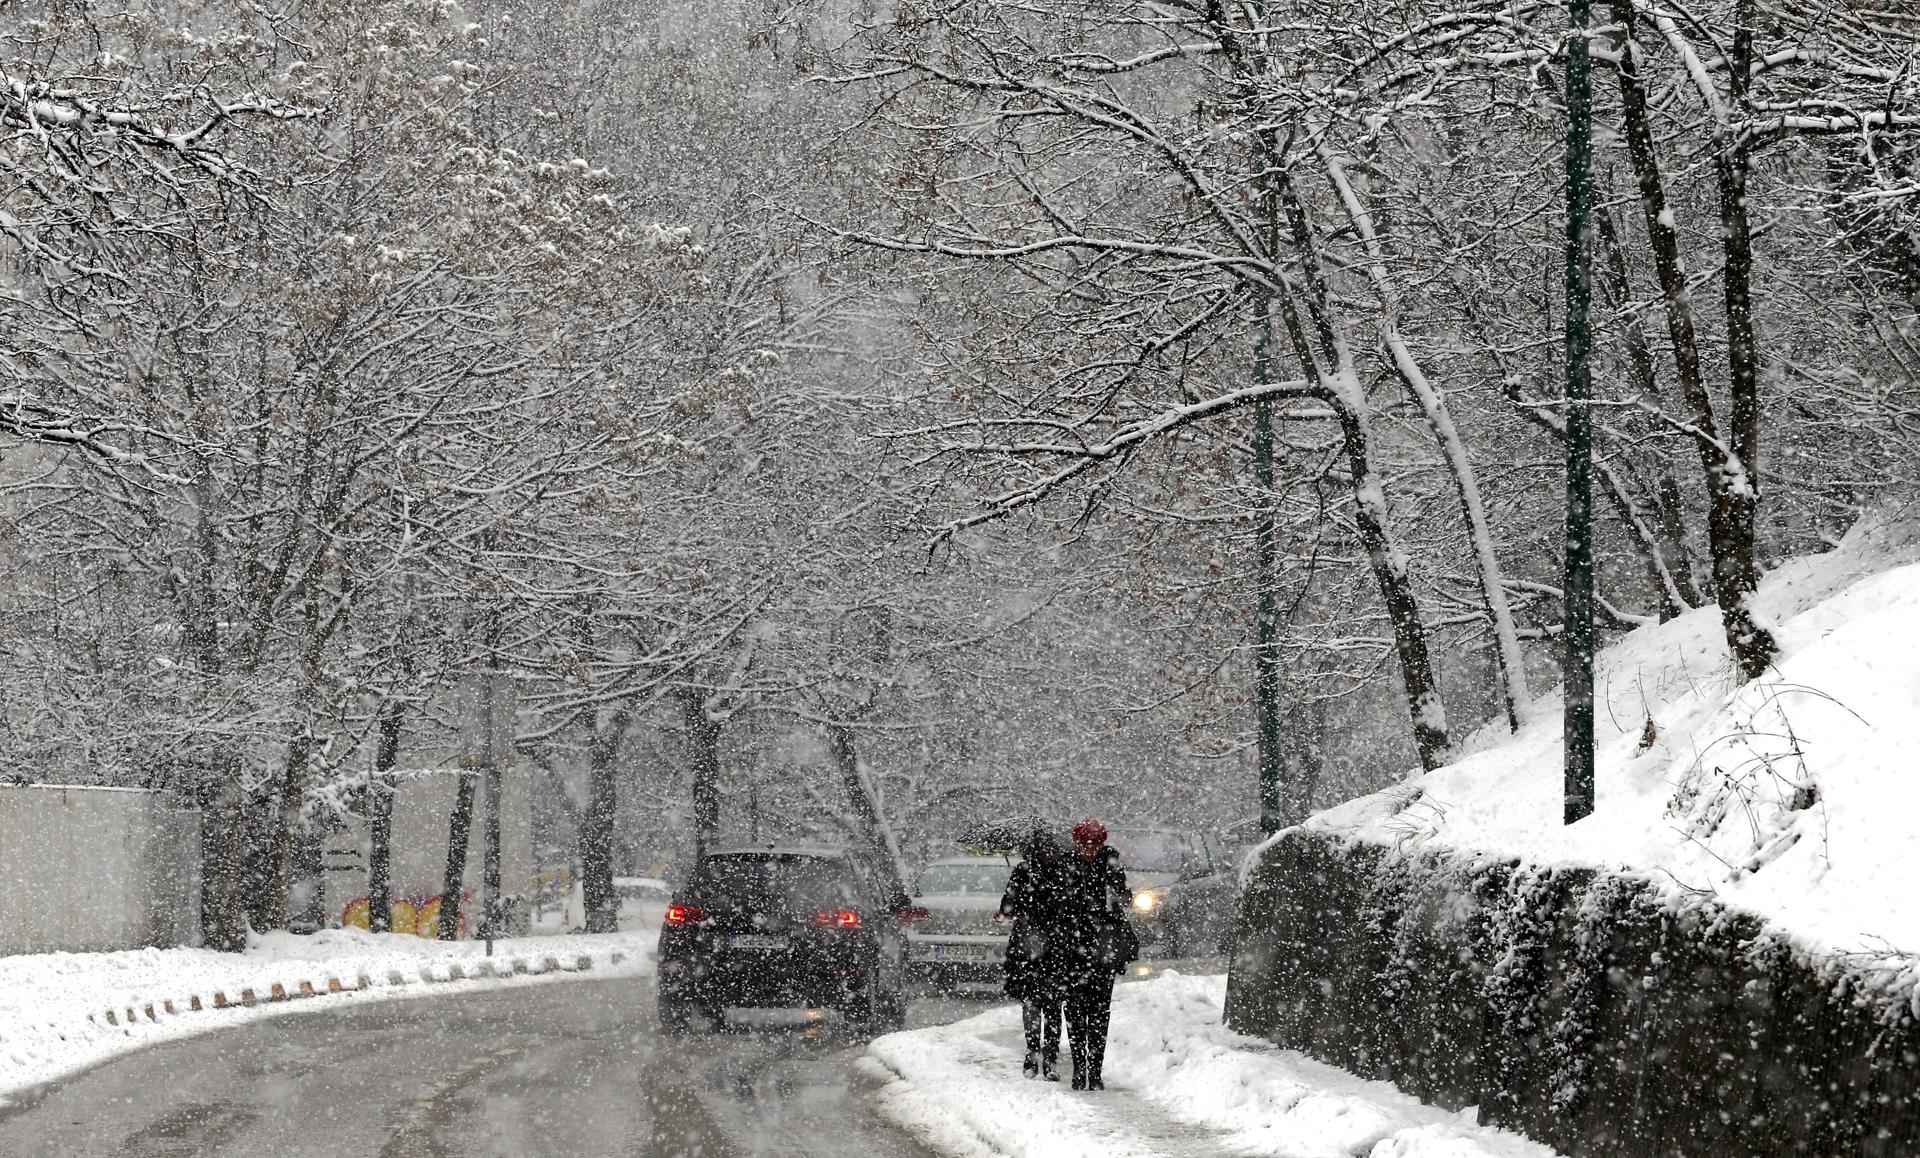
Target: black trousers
{"x": 1089, "y": 1008}
{"x": 1040, "y": 1020}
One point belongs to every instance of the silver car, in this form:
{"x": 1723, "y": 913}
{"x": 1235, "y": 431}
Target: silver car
{"x": 1185, "y": 891}
{"x": 961, "y": 938}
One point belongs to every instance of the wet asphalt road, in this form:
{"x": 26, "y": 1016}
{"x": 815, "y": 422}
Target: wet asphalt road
{"x": 575, "y": 1070}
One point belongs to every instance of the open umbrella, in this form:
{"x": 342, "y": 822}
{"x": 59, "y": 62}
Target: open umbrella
{"x": 1018, "y": 835}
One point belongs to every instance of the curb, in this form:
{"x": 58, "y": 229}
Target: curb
{"x": 429, "y": 972}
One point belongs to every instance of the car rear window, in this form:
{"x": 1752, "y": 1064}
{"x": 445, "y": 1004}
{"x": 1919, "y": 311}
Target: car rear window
{"x": 964, "y": 878}
{"x": 773, "y": 883}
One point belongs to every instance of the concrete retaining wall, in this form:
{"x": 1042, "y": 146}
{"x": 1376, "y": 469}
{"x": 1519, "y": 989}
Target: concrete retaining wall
{"x": 86, "y": 869}
{"x": 1589, "y": 1011}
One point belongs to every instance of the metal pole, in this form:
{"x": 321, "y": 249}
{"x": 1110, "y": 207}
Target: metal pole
{"x": 1266, "y": 615}
{"x": 1577, "y": 665}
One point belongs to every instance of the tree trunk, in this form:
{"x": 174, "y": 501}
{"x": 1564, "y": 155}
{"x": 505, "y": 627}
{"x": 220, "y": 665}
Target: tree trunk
{"x": 1657, "y": 525}
{"x": 269, "y": 900}
{"x": 1433, "y": 406}
{"x": 1329, "y": 364}
{"x": 1733, "y": 496}
{"x": 1735, "y": 571}
{"x": 596, "y": 823}
{"x": 703, "y": 765}
{"x": 459, "y": 835}
{"x": 1389, "y": 562}
{"x": 380, "y": 823}
{"x": 307, "y": 869}
{"x": 876, "y": 839}
{"x": 223, "y": 849}
{"x": 289, "y": 819}
{"x": 223, "y": 825}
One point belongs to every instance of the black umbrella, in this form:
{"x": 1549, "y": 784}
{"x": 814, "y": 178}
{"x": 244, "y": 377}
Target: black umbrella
{"x": 1019, "y": 835}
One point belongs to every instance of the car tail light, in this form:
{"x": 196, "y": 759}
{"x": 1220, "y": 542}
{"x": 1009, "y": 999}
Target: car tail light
{"x": 843, "y": 918}
{"x": 685, "y": 914}
{"x": 907, "y": 914}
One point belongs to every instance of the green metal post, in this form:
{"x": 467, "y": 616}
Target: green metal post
{"x": 1577, "y": 665}
{"x": 1266, "y": 550}
{"x": 1266, "y": 616}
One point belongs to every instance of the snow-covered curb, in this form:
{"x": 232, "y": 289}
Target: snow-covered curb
{"x": 64, "y": 1012}
{"x": 1179, "y": 1082}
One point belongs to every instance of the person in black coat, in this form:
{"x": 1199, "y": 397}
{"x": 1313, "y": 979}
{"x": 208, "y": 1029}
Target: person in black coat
{"x": 1036, "y": 901}
{"x": 1100, "y": 943}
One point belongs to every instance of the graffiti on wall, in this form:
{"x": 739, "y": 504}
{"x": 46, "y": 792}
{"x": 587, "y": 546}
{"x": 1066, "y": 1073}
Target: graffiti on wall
{"x": 414, "y": 913}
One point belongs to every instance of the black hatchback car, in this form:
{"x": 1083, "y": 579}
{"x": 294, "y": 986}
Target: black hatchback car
{"x": 772, "y": 926}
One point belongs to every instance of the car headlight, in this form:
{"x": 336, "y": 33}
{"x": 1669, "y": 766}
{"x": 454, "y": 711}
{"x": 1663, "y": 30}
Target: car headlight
{"x": 1149, "y": 901}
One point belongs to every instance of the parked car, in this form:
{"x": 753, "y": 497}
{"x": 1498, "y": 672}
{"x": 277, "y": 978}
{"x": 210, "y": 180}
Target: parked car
{"x": 643, "y": 901}
{"x": 778, "y": 926}
{"x": 960, "y": 939}
{"x": 1185, "y": 889}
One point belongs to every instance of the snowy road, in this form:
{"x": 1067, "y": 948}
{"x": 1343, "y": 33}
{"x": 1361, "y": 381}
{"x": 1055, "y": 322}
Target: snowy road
{"x": 571, "y": 1071}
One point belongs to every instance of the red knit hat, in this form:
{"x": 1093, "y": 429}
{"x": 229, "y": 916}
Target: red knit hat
{"x": 1089, "y": 831}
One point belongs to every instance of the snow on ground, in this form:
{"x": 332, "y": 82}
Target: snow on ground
{"x": 54, "y": 1006}
{"x": 1793, "y": 797}
{"x": 1179, "y": 1085}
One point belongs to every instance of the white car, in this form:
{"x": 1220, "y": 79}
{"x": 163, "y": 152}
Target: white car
{"x": 642, "y": 904}
{"x": 960, "y": 939}
{"x": 643, "y": 901}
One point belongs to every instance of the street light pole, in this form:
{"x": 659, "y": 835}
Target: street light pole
{"x": 1266, "y": 549}
{"x": 1266, "y": 615}
{"x": 1577, "y": 630}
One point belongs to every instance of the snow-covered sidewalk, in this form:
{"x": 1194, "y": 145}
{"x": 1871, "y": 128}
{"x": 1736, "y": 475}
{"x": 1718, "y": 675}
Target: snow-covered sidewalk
{"x": 63, "y": 1012}
{"x": 1179, "y": 1084}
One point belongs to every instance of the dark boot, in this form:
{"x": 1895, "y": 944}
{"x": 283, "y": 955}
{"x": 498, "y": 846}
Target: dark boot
{"x": 1050, "y": 1043}
{"x": 1098, "y": 1012}
{"x": 1031, "y": 1067}
{"x": 1077, "y": 1044}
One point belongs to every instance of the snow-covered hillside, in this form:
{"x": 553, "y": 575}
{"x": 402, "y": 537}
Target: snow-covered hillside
{"x": 1795, "y": 797}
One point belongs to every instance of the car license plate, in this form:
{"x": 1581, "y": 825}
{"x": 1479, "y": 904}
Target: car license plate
{"x": 962, "y": 953}
{"x": 757, "y": 941}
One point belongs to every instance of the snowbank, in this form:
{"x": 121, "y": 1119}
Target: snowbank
{"x": 1179, "y": 1083}
{"x": 63, "y": 1012}
{"x": 1793, "y": 797}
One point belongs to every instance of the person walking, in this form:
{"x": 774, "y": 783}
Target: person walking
{"x": 1100, "y": 944}
{"x": 1036, "y": 901}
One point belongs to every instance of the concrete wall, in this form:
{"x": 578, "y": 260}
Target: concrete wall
{"x": 422, "y": 807}
{"x": 85, "y": 869}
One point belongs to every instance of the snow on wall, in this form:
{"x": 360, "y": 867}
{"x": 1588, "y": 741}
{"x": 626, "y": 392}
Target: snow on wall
{"x": 96, "y": 869}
